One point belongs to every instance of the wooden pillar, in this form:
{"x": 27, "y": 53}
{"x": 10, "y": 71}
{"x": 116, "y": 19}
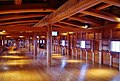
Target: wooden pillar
{"x": 86, "y": 54}
{"x": 3, "y": 40}
{"x": 49, "y": 45}
{"x": 68, "y": 47}
{"x": 119, "y": 61}
{"x": 29, "y": 44}
{"x": 35, "y": 44}
{"x": 92, "y": 50}
{"x": 111, "y": 60}
{"x": 17, "y": 43}
{"x": 100, "y": 52}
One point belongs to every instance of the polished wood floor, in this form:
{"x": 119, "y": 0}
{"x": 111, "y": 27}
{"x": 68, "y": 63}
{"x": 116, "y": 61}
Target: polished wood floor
{"x": 22, "y": 66}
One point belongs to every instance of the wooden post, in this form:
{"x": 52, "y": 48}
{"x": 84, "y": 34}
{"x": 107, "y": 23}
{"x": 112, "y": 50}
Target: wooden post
{"x": 92, "y": 50}
{"x": 29, "y": 43}
{"x": 86, "y": 54}
{"x": 17, "y": 43}
{"x": 100, "y": 52}
{"x": 111, "y": 60}
{"x": 119, "y": 61}
{"x": 0, "y": 43}
{"x": 49, "y": 45}
{"x": 68, "y": 38}
{"x": 35, "y": 44}
{"x": 3, "y": 40}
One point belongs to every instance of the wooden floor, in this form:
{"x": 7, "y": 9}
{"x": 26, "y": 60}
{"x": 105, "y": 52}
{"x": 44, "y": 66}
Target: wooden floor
{"x": 22, "y": 66}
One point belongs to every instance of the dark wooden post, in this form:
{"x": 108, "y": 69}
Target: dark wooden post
{"x": 49, "y": 45}
{"x": 69, "y": 53}
{"x": 29, "y": 44}
{"x": 35, "y": 44}
{"x": 100, "y": 52}
{"x": 119, "y": 61}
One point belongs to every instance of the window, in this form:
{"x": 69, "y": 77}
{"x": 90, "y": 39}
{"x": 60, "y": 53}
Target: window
{"x": 115, "y": 46}
{"x": 82, "y": 44}
{"x": 43, "y": 41}
{"x": 40, "y": 41}
{"x": 54, "y": 33}
{"x": 63, "y": 43}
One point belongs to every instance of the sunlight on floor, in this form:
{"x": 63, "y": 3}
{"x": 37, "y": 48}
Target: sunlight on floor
{"x": 16, "y": 76}
{"x": 73, "y": 61}
{"x": 13, "y": 52}
{"x": 57, "y": 56}
{"x": 102, "y": 72}
{"x": 14, "y": 57}
{"x": 16, "y": 62}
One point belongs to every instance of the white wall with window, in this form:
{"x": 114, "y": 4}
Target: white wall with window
{"x": 115, "y": 46}
{"x": 82, "y": 44}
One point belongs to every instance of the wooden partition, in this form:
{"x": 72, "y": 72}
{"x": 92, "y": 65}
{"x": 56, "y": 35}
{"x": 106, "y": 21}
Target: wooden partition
{"x": 115, "y": 60}
{"x": 97, "y": 46}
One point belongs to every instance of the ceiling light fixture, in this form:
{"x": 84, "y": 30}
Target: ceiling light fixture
{"x": 86, "y": 26}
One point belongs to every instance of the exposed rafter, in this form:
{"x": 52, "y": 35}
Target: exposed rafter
{"x": 70, "y": 8}
{"x": 85, "y": 20}
{"x": 21, "y": 28}
{"x": 22, "y": 21}
{"x": 71, "y": 24}
{"x": 103, "y": 6}
{"x": 21, "y": 16}
{"x": 113, "y": 2}
{"x": 25, "y": 11}
{"x": 101, "y": 14}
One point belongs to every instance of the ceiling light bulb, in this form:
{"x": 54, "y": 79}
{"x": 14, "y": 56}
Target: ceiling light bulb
{"x": 3, "y": 31}
{"x": 86, "y": 26}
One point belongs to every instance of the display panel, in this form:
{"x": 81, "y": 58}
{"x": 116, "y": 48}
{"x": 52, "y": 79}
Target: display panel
{"x": 54, "y": 33}
{"x": 63, "y": 42}
{"x": 82, "y": 44}
{"x": 115, "y": 46}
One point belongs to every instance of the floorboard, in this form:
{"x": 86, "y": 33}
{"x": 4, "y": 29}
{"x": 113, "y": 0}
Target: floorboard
{"x": 21, "y": 66}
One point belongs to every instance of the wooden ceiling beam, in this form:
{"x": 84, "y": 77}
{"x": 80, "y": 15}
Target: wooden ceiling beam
{"x": 85, "y": 20}
{"x": 101, "y": 14}
{"x": 11, "y": 17}
{"x": 18, "y": 2}
{"x": 81, "y": 17}
{"x": 16, "y": 28}
{"x": 67, "y": 29}
{"x": 71, "y": 24}
{"x": 111, "y": 26}
{"x": 113, "y": 2}
{"x": 61, "y": 25}
{"x": 25, "y": 11}
{"x": 98, "y": 8}
{"x": 103, "y": 6}
{"x": 70, "y": 8}
{"x": 18, "y": 22}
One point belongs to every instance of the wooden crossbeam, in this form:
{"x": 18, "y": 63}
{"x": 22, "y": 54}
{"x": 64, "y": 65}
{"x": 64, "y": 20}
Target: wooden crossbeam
{"x": 18, "y": 2}
{"x": 10, "y": 17}
{"x": 20, "y": 24}
{"x": 101, "y": 14}
{"x": 71, "y": 24}
{"x": 98, "y": 8}
{"x": 70, "y": 8}
{"x": 103, "y": 6}
{"x": 18, "y": 28}
{"x": 15, "y": 22}
{"x": 111, "y": 26}
{"x": 25, "y": 11}
{"x": 85, "y": 20}
{"x": 113, "y": 2}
